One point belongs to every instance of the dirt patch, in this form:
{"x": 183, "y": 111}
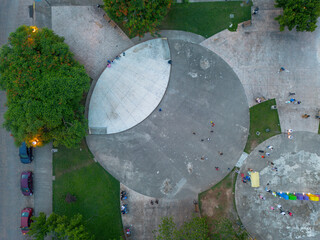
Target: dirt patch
{"x": 253, "y": 144}
{"x": 217, "y": 205}
{"x": 74, "y": 168}
{"x": 217, "y": 202}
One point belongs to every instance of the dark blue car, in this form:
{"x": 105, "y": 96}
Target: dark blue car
{"x": 25, "y": 153}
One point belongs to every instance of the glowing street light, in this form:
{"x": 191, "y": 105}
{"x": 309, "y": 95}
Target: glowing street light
{"x": 34, "y": 28}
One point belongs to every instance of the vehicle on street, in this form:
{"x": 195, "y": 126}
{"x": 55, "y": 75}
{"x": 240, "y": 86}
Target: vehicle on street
{"x": 25, "y": 153}
{"x": 26, "y": 215}
{"x": 26, "y": 183}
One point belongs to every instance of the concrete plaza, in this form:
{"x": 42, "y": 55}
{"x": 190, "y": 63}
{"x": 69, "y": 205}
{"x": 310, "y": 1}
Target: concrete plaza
{"x": 173, "y": 153}
{"x": 298, "y": 165}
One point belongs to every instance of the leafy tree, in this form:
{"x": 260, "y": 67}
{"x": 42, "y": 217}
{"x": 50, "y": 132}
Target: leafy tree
{"x": 138, "y": 16}
{"x": 44, "y": 86}
{"x": 302, "y": 14}
{"x": 58, "y": 227}
{"x": 39, "y": 228}
{"x": 223, "y": 229}
{"x": 196, "y": 228}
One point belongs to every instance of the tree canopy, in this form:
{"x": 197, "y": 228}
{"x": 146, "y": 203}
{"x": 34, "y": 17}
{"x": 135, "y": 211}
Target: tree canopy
{"x": 58, "y": 227}
{"x": 44, "y": 86}
{"x": 299, "y": 14}
{"x": 196, "y": 228}
{"x": 224, "y": 229}
{"x": 138, "y": 16}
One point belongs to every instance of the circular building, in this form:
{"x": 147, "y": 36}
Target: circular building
{"x": 288, "y": 173}
{"x": 191, "y": 139}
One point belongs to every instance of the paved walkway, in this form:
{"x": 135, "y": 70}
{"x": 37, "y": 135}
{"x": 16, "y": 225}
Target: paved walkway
{"x": 256, "y": 54}
{"x": 89, "y": 36}
{"x": 298, "y": 164}
{"x": 172, "y": 35}
{"x": 144, "y": 216}
{"x": 130, "y": 88}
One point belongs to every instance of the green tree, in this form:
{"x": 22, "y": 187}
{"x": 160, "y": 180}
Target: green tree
{"x": 196, "y": 228}
{"x": 44, "y": 86}
{"x": 138, "y": 16}
{"x": 39, "y": 228}
{"x": 299, "y": 14}
{"x": 58, "y": 227}
{"x": 224, "y": 229}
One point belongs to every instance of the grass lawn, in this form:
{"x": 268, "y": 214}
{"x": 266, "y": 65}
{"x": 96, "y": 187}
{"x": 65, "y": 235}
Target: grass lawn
{"x": 262, "y": 117}
{"x": 206, "y": 18}
{"x": 218, "y": 204}
{"x": 97, "y": 192}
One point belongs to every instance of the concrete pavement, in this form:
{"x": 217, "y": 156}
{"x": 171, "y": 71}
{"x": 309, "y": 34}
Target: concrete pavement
{"x": 161, "y": 157}
{"x": 298, "y": 164}
{"x": 89, "y": 35}
{"x": 173, "y": 35}
{"x": 144, "y": 217}
{"x": 256, "y": 54}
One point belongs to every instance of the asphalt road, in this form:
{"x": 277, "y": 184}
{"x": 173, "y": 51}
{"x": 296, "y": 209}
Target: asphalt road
{"x": 14, "y": 13}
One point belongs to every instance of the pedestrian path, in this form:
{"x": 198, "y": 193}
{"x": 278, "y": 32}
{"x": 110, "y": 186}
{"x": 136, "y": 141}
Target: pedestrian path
{"x": 256, "y": 53}
{"x": 145, "y": 213}
{"x": 172, "y": 34}
{"x": 90, "y": 37}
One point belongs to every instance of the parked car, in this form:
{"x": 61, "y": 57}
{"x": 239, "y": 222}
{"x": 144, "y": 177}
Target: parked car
{"x": 26, "y": 183}
{"x": 26, "y": 215}
{"x": 25, "y": 153}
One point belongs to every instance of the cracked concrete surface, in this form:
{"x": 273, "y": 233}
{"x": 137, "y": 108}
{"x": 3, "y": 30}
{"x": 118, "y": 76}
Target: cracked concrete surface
{"x": 298, "y": 163}
{"x": 161, "y": 157}
{"x": 256, "y": 54}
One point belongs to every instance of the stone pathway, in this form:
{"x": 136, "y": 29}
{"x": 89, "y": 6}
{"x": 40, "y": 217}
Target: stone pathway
{"x": 256, "y": 54}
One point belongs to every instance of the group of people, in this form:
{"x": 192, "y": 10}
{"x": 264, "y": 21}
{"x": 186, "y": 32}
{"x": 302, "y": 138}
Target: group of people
{"x": 282, "y": 212}
{"x": 117, "y": 58}
{"x": 124, "y": 207}
{"x": 275, "y": 194}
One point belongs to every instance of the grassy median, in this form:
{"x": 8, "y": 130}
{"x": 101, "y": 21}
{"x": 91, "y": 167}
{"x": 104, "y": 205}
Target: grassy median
{"x": 264, "y": 124}
{"x": 206, "y": 18}
{"x": 96, "y": 191}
